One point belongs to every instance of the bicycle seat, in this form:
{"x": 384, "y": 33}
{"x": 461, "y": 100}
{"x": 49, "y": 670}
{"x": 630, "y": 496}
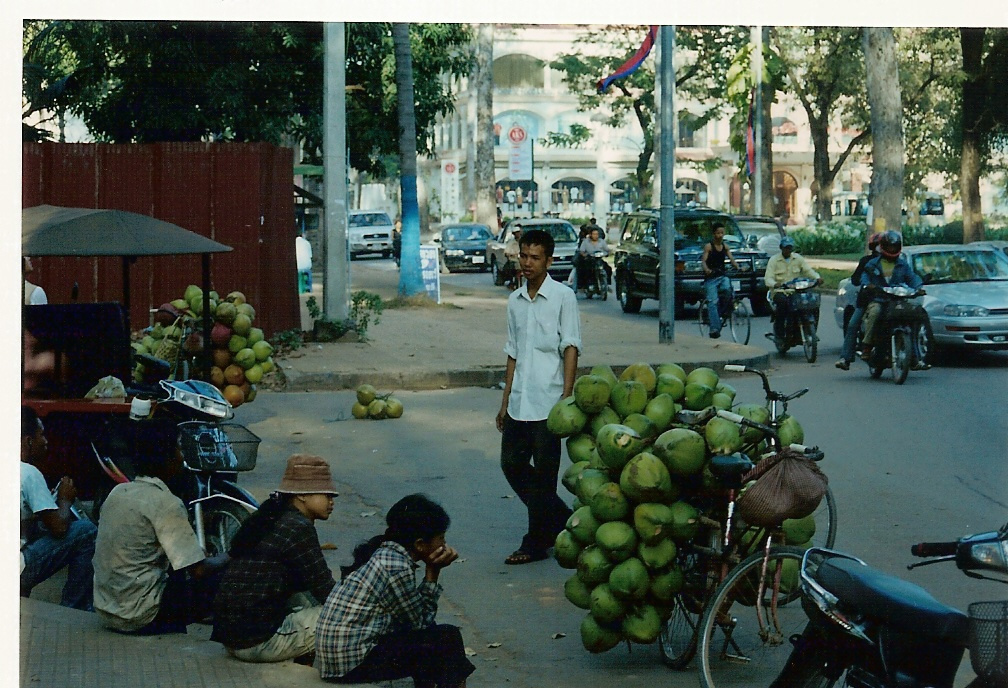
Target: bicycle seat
{"x": 896, "y": 602}
{"x": 729, "y": 468}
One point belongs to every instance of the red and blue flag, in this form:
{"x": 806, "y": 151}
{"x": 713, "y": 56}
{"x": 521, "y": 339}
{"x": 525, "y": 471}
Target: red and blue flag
{"x": 631, "y": 65}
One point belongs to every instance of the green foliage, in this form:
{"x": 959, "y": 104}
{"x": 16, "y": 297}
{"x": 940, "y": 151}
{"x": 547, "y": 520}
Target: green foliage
{"x": 830, "y": 238}
{"x": 578, "y": 135}
{"x": 288, "y": 340}
{"x": 363, "y": 305}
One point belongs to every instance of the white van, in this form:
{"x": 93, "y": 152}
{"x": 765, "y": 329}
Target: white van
{"x": 369, "y": 231}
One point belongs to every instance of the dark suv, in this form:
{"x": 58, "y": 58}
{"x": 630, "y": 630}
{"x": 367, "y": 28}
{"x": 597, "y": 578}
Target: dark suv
{"x": 637, "y": 268}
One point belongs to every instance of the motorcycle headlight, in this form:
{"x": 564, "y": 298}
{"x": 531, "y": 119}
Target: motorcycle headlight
{"x": 991, "y": 555}
{"x": 957, "y": 310}
{"x": 454, "y": 252}
{"x": 761, "y": 263}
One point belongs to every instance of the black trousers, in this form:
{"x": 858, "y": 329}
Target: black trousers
{"x": 185, "y": 600}
{"x": 434, "y": 657}
{"x": 782, "y": 311}
{"x": 530, "y": 459}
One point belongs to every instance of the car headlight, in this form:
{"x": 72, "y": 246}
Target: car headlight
{"x": 693, "y": 266}
{"x": 454, "y": 252}
{"x": 761, "y": 263}
{"x": 956, "y": 310}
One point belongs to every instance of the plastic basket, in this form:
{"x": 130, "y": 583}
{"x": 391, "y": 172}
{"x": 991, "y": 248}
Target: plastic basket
{"x": 223, "y": 447}
{"x": 989, "y": 641}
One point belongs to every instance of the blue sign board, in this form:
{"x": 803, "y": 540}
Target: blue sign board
{"x": 430, "y": 271}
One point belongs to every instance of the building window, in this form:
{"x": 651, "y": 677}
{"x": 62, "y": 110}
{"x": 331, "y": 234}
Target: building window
{"x": 784, "y": 131}
{"x": 691, "y": 135}
{"x": 518, "y": 71}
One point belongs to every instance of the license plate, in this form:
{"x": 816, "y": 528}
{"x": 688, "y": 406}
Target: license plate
{"x": 479, "y": 259}
{"x": 736, "y": 285}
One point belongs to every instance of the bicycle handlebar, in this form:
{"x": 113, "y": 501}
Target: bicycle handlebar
{"x": 769, "y": 393}
{"x": 934, "y": 549}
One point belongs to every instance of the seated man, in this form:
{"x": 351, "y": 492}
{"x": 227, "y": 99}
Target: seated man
{"x": 782, "y": 268}
{"x": 151, "y": 575}
{"x": 52, "y": 536}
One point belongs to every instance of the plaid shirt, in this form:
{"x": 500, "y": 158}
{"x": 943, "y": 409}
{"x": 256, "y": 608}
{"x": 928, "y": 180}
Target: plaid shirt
{"x": 252, "y": 600}
{"x": 380, "y": 597}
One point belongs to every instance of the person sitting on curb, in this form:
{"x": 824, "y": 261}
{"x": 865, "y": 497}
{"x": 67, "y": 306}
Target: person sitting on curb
{"x": 781, "y": 269}
{"x": 271, "y": 595}
{"x": 151, "y": 575}
{"x": 52, "y": 536}
{"x": 378, "y": 624}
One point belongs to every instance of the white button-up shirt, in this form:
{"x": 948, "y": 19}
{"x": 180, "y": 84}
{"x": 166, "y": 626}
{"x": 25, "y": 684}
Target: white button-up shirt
{"x": 539, "y": 331}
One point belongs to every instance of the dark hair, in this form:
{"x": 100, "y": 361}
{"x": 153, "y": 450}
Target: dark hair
{"x": 538, "y": 237}
{"x": 154, "y": 443}
{"x": 717, "y": 225}
{"x": 256, "y": 526}
{"x": 29, "y": 421}
{"x": 414, "y": 517}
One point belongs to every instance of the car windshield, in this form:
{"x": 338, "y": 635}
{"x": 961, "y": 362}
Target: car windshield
{"x": 697, "y": 231}
{"x": 470, "y": 233}
{"x": 938, "y": 267}
{"x": 369, "y": 219}
{"x": 562, "y": 232}
{"x": 760, "y": 229}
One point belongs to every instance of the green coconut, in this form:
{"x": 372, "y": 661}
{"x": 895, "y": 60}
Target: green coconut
{"x": 628, "y": 396}
{"x": 721, "y": 400}
{"x": 642, "y": 373}
{"x": 565, "y": 418}
{"x": 665, "y": 585}
{"x": 571, "y": 475}
{"x": 597, "y": 638}
{"x": 591, "y": 393}
{"x": 577, "y": 592}
{"x": 596, "y": 462}
{"x": 606, "y": 373}
{"x": 644, "y": 426}
{"x": 661, "y": 410}
{"x": 683, "y": 451}
{"x": 652, "y": 521}
{"x": 757, "y": 413}
{"x": 646, "y": 479}
{"x": 725, "y": 388}
{"x": 616, "y": 444}
{"x": 594, "y": 566}
{"x": 671, "y": 385}
{"x": 790, "y": 431}
{"x": 629, "y": 579}
{"x": 605, "y": 606}
{"x": 799, "y": 530}
{"x": 589, "y": 482}
{"x": 579, "y": 446}
{"x": 642, "y": 624}
{"x": 722, "y": 436}
{"x": 656, "y": 556}
{"x": 671, "y": 369}
{"x": 617, "y": 539}
{"x": 566, "y": 549}
{"x": 698, "y": 396}
{"x": 601, "y": 419}
{"x": 685, "y": 521}
{"x": 583, "y": 525}
{"x": 704, "y": 376}
{"x": 609, "y": 503}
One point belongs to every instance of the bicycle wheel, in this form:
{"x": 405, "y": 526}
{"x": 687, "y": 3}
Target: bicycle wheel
{"x": 739, "y": 322}
{"x": 678, "y": 638}
{"x": 810, "y": 341}
{"x": 825, "y": 517}
{"x": 745, "y": 644}
{"x": 702, "y": 318}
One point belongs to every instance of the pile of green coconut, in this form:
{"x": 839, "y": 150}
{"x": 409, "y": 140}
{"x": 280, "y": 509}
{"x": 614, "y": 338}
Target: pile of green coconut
{"x": 637, "y": 476}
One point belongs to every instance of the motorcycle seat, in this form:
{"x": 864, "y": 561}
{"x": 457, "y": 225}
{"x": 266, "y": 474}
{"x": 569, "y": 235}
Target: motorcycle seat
{"x": 730, "y": 468}
{"x": 895, "y": 602}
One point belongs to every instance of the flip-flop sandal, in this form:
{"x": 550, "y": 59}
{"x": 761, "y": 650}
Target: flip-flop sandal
{"x": 522, "y": 557}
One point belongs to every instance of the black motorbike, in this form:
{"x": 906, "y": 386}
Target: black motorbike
{"x": 900, "y": 322}
{"x": 802, "y": 319}
{"x": 595, "y": 280}
{"x": 868, "y": 629}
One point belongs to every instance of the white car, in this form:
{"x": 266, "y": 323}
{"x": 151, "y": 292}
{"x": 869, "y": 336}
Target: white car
{"x": 369, "y": 231}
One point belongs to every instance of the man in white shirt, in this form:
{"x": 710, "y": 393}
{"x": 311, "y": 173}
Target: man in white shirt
{"x": 303, "y": 252}
{"x": 34, "y": 295}
{"x": 51, "y": 534}
{"x": 543, "y": 343}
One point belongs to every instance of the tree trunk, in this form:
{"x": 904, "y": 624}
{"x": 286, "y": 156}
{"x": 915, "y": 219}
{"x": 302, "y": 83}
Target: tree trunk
{"x": 972, "y": 40}
{"x": 765, "y": 144}
{"x": 410, "y": 278}
{"x": 484, "y": 173}
{"x": 821, "y": 169}
{"x": 886, "y": 103}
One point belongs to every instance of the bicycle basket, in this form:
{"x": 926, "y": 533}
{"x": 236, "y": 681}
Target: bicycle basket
{"x": 787, "y": 485}
{"x": 988, "y": 646}
{"x": 224, "y": 447}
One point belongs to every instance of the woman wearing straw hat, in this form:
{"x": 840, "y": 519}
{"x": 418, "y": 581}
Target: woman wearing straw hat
{"x": 270, "y": 598}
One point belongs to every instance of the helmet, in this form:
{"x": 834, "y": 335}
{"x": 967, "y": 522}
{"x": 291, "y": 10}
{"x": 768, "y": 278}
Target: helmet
{"x": 785, "y": 242}
{"x": 891, "y": 244}
{"x": 873, "y": 241}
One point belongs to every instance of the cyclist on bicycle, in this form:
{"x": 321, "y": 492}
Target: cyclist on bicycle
{"x": 716, "y": 282}
{"x": 782, "y": 268}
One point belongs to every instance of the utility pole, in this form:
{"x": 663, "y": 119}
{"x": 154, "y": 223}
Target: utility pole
{"x": 756, "y": 183}
{"x": 336, "y": 270}
{"x": 666, "y": 218}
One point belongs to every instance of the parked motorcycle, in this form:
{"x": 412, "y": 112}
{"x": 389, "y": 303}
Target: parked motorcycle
{"x": 899, "y": 322}
{"x": 596, "y": 279}
{"x": 802, "y": 320}
{"x": 872, "y": 630}
{"x": 213, "y": 452}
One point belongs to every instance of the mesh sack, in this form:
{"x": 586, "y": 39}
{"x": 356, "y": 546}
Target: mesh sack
{"x": 788, "y": 485}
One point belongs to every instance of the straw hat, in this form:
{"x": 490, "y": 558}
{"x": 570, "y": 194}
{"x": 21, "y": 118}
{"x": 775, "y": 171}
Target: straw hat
{"x": 307, "y": 474}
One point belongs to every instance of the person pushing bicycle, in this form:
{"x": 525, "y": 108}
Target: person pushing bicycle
{"x": 716, "y": 281}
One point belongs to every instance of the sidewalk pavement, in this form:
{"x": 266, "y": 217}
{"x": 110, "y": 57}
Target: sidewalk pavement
{"x": 460, "y": 343}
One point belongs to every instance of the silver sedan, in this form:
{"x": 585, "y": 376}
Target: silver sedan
{"x": 966, "y": 294}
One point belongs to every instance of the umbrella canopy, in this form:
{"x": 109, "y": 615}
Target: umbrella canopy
{"x": 48, "y": 230}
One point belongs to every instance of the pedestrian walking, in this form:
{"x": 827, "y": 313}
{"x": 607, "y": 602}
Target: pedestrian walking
{"x": 543, "y": 343}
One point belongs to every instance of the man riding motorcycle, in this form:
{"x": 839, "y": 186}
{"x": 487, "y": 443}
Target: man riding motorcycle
{"x": 782, "y": 268}
{"x": 854, "y": 324}
{"x": 889, "y": 269}
{"x": 590, "y": 245}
